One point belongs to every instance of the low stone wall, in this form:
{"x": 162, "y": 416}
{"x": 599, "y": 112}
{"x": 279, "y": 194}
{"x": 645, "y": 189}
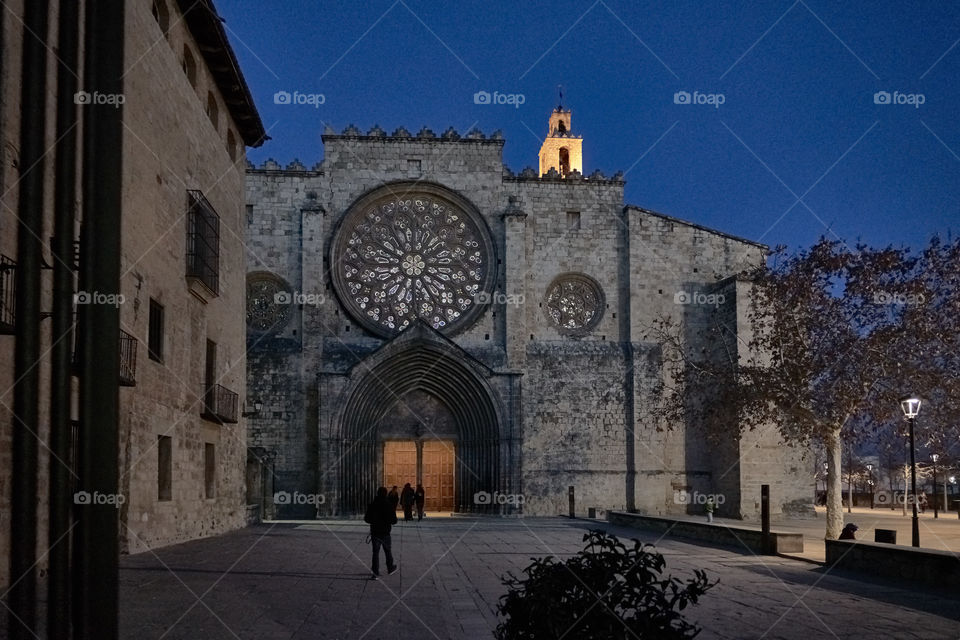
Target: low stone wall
{"x": 927, "y": 566}
{"x": 738, "y": 536}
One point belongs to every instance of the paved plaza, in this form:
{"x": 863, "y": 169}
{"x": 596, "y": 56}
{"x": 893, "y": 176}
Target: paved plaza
{"x": 935, "y": 533}
{"x": 298, "y": 581}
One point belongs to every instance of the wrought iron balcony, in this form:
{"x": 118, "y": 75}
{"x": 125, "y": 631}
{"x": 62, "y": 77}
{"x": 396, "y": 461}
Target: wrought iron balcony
{"x": 127, "y": 375}
{"x": 220, "y": 404}
{"x": 8, "y": 277}
{"x": 128, "y": 360}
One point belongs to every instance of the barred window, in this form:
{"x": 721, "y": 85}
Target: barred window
{"x": 203, "y": 242}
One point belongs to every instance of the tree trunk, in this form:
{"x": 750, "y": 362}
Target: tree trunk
{"x": 834, "y": 486}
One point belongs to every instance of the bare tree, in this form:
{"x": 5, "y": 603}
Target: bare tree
{"x": 837, "y": 335}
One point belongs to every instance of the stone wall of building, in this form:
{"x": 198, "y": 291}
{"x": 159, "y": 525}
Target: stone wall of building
{"x": 581, "y": 397}
{"x": 159, "y": 169}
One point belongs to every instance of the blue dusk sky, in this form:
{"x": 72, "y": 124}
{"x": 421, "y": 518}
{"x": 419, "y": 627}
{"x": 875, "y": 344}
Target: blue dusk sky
{"x": 776, "y": 121}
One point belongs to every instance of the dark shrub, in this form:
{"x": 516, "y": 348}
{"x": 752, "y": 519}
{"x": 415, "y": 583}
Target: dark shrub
{"x": 606, "y": 591}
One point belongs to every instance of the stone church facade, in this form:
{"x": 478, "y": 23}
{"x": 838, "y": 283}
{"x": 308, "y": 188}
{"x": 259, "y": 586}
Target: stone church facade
{"x": 417, "y": 312}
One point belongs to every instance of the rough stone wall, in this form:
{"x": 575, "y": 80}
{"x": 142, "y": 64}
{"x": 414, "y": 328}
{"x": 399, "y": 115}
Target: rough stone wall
{"x": 159, "y": 168}
{"x": 278, "y": 242}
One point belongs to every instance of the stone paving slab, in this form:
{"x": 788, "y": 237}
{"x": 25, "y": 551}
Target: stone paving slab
{"x": 304, "y": 581}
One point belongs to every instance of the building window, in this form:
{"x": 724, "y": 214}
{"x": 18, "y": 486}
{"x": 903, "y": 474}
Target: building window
{"x": 213, "y": 112}
{"x": 209, "y": 470}
{"x": 564, "y": 161}
{"x": 203, "y": 242}
{"x": 8, "y": 281}
{"x": 162, "y": 16}
{"x": 189, "y": 66}
{"x": 164, "y": 468}
{"x": 573, "y": 220}
{"x": 155, "y": 331}
{"x": 232, "y": 145}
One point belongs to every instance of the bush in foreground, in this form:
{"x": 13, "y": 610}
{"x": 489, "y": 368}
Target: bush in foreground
{"x": 606, "y": 591}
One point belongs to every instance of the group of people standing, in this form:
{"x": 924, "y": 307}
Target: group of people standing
{"x": 381, "y": 515}
{"x": 408, "y": 498}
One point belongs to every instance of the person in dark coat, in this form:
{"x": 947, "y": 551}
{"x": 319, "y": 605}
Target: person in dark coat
{"x": 848, "y": 531}
{"x": 407, "y": 499}
{"x": 381, "y": 517}
{"x": 419, "y": 497}
{"x": 393, "y": 497}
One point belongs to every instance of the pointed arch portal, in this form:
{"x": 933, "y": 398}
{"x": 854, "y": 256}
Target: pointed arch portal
{"x": 441, "y": 372}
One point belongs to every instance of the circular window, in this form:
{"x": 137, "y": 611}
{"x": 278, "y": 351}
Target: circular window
{"x": 412, "y": 251}
{"x": 268, "y": 302}
{"x": 574, "y": 303}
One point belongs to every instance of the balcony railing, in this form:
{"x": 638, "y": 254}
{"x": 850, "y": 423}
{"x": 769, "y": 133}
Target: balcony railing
{"x": 8, "y": 278}
{"x": 128, "y": 360}
{"x": 220, "y": 404}
{"x": 203, "y": 242}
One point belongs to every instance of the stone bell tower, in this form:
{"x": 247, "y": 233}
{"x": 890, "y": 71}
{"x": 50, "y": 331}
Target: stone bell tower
{"x": 561, "y": 149}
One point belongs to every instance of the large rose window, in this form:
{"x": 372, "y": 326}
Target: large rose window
{"x": 574, "y": 303}
{"x": 412, "y": 254}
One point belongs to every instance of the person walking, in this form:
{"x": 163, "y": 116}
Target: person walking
{"x": 711, "y": 507}
{"x": 381, "y": 517}
{"x": 407, "y": 498}
{"x": 420, "y": 497}
{"x": 393, "y": 497}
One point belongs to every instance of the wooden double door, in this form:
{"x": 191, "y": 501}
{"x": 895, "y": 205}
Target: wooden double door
{"x": 431, "y": 463}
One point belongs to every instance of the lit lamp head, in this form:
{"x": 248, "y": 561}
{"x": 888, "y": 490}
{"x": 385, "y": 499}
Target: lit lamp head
{"x": 953, "y": 479}
{"x": 934, "y": 457}
{"x": 910, "y": 406}
{"x": 869, "y": 467}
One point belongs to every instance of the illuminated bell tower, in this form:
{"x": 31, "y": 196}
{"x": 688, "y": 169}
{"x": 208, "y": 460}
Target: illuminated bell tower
{"x": 561, "y": 150}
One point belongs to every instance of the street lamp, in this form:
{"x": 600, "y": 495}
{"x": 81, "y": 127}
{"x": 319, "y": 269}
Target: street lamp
{"x": 870, "y": 481}
{"x": 826, "y": 481}
{"x": 257, "y": 407}
{"x": 911, "y": 407}
{"x": 934, "y": 457}
{"x": 953, "y": 481}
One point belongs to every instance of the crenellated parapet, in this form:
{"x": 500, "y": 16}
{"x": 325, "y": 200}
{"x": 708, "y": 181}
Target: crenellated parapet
{"x": 294, "y": 166}
{"x": 529, "y": 174}
{"x": 425, "y": 134}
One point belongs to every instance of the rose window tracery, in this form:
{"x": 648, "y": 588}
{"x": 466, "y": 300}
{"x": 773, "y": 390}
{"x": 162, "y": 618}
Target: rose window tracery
{"x": 574, "y": 303}
{"x": 408, "y": 256}
{"x": 268, "y": 302}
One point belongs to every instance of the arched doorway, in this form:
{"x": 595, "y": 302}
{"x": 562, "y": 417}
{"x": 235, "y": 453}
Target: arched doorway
{"x": 427, "y": 384}
{"x": 418, "y": 436}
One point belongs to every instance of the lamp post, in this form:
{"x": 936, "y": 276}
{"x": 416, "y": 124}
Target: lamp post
{"x": 870, "y": 482}
{"x": 826, "y": 481}
{"x": 935, "y": 457}
{"x": 953, "y": 481}
{"x": 911, "y": 407}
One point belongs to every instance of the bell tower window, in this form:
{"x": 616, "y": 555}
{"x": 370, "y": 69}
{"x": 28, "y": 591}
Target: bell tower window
{"x": 564, "y": 161}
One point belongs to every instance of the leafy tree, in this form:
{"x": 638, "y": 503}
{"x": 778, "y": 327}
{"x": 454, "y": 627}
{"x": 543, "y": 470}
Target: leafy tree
{"x": 607, "y": 591}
